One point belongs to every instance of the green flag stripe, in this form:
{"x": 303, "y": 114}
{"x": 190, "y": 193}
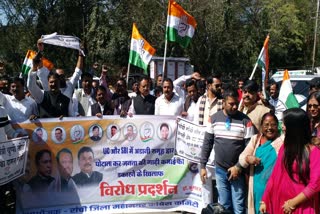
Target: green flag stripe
{"x": 292, "y": 101}
{"x": 25, "y": 69}
{"x": 261, "y": 63}
{"x": 136, "y": 60}
{"x": 172, "y": 35}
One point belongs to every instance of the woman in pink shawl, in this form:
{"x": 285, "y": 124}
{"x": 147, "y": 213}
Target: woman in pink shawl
{"x": 295, "y": 181}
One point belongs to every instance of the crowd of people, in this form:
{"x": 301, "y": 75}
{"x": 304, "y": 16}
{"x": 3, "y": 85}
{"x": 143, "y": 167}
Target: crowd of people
{"x": 283, "y": 169}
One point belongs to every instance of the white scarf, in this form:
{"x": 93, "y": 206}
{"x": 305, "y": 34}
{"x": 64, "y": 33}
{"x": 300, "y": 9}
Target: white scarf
{"x": 63, "y": 41}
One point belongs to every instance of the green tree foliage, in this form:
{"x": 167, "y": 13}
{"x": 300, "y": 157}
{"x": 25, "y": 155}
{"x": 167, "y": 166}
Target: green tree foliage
{"x": 228, "y": 38}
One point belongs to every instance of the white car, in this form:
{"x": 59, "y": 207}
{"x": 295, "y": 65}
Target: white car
{"x": 299, "y": 81}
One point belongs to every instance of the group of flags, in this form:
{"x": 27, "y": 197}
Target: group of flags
{"x": 180, "y": 28}
{"x": 286, "y": 95}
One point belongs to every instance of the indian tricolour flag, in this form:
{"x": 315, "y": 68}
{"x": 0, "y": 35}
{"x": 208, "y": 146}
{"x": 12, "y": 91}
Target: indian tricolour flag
{"x": 27, "y": 63}
{"x": 180, "y": 25}
{"x": 141, "y": 51}
{"x": 263, "y": 62}
{"x": 286, "y": 95}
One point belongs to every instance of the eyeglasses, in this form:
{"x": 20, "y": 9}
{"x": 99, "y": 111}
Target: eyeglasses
{"x": 272, "y": 125}
{"x": 313, "y": 105}
{"x": 228, "y": 123}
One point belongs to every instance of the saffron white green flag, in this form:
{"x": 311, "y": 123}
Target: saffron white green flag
{"x": 180, "y": 25}
{"x": 141, "y": 51}
{"x": 286, "y": 95}
{"x": 27, "y": 63}
{"x": 263, "y": 62}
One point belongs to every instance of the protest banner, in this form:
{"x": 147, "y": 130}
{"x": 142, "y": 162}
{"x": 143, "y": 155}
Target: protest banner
{"x": 13, "y": 159}
{"x": 115, "y": 165}
{"x": 189, "y": 141}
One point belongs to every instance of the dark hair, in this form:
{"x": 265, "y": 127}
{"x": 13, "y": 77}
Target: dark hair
{"x": 191, "y": 82}
{"x": 315, "y": 95}
{"x": 210, "y": 78}
{"x": 86, "y": 74}
{"x": 269, "y": 114}
{"x": 39, "y": 129}
{"x": 58, "y": 129}
{"x": 250, "y": 86}
{"x": 102, "y": 88}
{"x": 64, "y": 150}
{"x": 83, "y": 150}
{"x": 123, "y": 81}
{"x": 273, "y": 83}
{"x": 17, "y": 79}
{"x": 164, "y": 125}
{"x": 53, "y": 74}
{"x": 157, "y": 89}
{"x": 297, "y": 137}
{"x": 314, "y": 83}
{"x": 141, "y": 79}
{"x": 201, "y": 84}
{"x": 168, "y": 80}
{"x": 95, "y": 127}
{"x": 39, "y": 155}
{"x": 230, "y": 92}
{"x": 242, "y": 79}
{"x": 114, "y": 127}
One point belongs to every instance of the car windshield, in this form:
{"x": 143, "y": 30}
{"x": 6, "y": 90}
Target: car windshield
{"x": 300, "y": 87}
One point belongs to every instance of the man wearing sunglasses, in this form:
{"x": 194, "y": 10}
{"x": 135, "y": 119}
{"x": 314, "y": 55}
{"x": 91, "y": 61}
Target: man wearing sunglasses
{"x": 229, "y": 132}
{"x": 210, "y": 102}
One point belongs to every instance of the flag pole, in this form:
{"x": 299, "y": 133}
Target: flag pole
{"x": 164, "y": 59}
{"x": 166, "y": 42}
{"x": 253, "y": 71}
{"x": 128, "y": 71}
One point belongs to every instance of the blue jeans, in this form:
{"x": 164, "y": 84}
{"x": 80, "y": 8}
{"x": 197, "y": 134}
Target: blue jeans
{"x": 231, "y": 193}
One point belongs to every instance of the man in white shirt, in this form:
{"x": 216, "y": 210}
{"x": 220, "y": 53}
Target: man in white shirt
{"x": 169, "y": 103}
{"x": 84, "y": 96}
{"x": 19, "y": 107}
{"x": 279, "y": 107}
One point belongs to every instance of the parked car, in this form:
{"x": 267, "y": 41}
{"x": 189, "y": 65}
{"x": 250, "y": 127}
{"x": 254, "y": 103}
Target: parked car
{"x": 299, "y": 81}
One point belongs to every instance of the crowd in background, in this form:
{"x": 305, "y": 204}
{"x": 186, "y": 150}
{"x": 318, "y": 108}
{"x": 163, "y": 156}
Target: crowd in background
{"x": 242, "y": 127}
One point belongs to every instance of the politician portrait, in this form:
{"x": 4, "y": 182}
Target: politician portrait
{"x": 113, "y": 131}
{"x": 130, "y": 132}
{"x": 86, "y": 176}
{"x": 95, "y": 132}
{"x": 58, "y": 135}
{"x": 39, "y": 136}
{"x": 164, "y": 131}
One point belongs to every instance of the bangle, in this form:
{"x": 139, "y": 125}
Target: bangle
{"x": 262, "y": 202}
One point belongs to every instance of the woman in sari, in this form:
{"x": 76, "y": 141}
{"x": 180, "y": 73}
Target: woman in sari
{"x": 313, "y": 107}
{"x": 260, "y": 154}
{"x": 295, "y": 180}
